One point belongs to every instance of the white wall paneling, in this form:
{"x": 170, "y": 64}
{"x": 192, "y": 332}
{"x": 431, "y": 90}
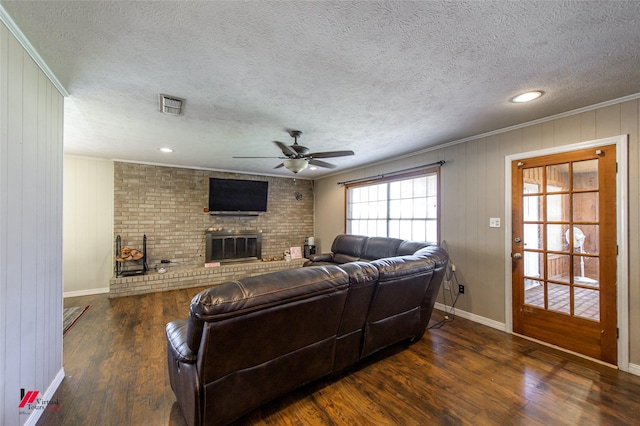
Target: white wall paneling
{"x": 88, "y": 225}
{"x": 472, "y": 191}
{"x": 31, "y": 116}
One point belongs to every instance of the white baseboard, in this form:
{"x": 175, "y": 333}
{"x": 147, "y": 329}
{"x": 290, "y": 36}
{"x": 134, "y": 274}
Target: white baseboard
{"x": 89, "y": 292}
{"x": 473, "y": 317}
{"x": 47, "y": 396}
{"x": 633, "y": 368}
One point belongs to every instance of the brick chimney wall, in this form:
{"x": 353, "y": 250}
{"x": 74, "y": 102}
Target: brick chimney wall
{"x": 167, "y": 204}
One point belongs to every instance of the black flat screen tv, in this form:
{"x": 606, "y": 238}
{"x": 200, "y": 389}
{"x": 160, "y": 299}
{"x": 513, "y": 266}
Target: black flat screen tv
{"x": 236, "y": 195}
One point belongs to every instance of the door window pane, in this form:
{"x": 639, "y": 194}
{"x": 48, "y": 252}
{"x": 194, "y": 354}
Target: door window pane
{"x": 533, "y": 237}
{"x": 558, "y": 177}
{"x": 585, "y": 207}
{"x": 559, "y": 298}
{"x": 558, "y": 207}
{"x": 559, "y": 266}
{"x": 533, "y": 180}
{"x": 586, "y": 270}
{"x": 533, "y": 264}
{"x": 556, "y": 239}
{"x": 532, "y": 208}
{"x": 534, "y": 293}
{"x": 586, "y": 303}
{"x": 590, "y": 245}
{"x": 585, "y": 175}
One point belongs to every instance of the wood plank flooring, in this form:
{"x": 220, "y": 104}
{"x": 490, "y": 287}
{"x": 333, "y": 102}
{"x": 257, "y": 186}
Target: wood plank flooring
{"x": 460, "y": 374}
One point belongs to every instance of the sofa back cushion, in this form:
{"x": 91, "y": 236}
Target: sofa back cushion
{"x": 258, "y": 319}
{"x": 266, "y": 335}
{"x": 395, "y": 312}
{"x": 363, "y": 278}
{"x": 380, "y": 247}
{"x": 411, "y": 247}
{"x": 348, "y": 248}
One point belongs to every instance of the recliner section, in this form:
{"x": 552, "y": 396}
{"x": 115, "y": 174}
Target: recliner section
{"x": 249, "y": 341}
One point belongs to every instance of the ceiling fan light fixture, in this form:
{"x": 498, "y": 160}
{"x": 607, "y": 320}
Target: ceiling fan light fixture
{"x": 296, "y": 164}
{"x": 171, "y": 105}
{"x": 526, "y": 97}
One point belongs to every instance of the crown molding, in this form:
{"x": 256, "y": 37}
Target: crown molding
{"x": 6, "y": 19}
{"x": 491, "y": 133}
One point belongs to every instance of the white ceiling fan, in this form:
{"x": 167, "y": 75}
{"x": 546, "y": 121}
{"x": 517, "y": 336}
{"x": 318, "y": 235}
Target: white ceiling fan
{"x": 298, "y": 157}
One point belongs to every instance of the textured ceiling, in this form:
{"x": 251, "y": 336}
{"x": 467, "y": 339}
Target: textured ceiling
{"x": 380, "y": 78}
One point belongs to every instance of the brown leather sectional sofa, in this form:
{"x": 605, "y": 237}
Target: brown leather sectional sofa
{"x": 249, "y": 341}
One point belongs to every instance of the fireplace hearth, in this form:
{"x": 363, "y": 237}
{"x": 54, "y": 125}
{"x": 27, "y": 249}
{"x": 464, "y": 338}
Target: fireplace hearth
{"x": 228, "y": 246}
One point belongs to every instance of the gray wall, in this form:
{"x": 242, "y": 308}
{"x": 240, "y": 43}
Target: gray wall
{"x": 31, "y": 115}
{"x": 473, "y": 190}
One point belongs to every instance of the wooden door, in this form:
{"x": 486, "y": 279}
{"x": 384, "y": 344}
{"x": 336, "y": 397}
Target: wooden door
{"x": 564, "y": 250}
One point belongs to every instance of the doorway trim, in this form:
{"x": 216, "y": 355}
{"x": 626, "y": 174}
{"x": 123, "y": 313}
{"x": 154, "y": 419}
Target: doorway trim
{"x": 622, "y": 226}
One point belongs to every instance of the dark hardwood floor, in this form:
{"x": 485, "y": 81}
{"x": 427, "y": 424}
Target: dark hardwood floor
{"x": 460, "y": 374}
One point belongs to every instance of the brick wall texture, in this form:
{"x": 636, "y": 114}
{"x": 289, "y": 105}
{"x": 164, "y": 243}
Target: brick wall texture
{"x": 167, "y": 204}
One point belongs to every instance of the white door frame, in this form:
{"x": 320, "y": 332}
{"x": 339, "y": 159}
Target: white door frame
{"x": 622, "y": 225}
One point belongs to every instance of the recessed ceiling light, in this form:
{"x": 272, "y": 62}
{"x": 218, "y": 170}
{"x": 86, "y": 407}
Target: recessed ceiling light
{"x": 526, "y": 97}
{"x": 166, "y": 149}
{"x": 313, "y": 168}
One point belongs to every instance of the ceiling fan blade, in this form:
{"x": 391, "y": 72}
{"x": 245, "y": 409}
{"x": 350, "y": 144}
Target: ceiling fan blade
{"x": 279, "y": 165}
{"x": 329, "y": 154}
{"x": 258, "y": 157}
{"x": 285, "y": 149}
{"x": 321, "y": 164}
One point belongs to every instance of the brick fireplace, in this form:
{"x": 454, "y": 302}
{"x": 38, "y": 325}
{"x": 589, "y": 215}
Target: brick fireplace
{"x": 227, "y": 246}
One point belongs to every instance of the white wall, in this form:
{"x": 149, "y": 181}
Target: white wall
{"x": 88, "y": 225}
{"x": 31, "y": 116}
{"x": 473, "y": 190}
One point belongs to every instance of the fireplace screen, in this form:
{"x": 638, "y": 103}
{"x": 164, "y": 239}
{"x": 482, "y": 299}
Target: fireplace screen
{"x": 233, "y": 246}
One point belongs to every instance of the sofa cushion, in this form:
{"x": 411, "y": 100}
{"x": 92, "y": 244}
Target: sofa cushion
{"x": 236, "y": 298}
{"x": 411, "y": 247}
{"x": 380, "y": 247}
{"x": 177, "y": 338}
{"x": 350, "y": 246}
{"x": 362, "y": 280}
{"x": 395, "y": 312}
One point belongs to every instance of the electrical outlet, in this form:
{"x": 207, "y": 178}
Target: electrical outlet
{"x": 461, "y": 288}
{"x": 453, "y": 267}
{"x": 447, "y": 285}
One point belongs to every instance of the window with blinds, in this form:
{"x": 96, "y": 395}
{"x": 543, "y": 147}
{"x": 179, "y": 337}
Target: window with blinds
{"x": 404, "y": 206}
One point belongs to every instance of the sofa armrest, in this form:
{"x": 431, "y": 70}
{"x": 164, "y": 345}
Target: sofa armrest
{"x": 177, "y": 339}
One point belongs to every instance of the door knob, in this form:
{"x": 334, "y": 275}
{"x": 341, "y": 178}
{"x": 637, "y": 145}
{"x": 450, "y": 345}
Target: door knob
{"x": 517, "y": 256}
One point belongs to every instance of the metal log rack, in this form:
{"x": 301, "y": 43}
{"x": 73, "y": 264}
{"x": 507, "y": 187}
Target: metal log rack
{"x": 129, "y": 268}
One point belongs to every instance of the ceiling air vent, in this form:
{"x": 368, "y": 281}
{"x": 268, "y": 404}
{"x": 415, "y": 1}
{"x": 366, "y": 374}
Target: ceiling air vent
{"x": 171, "y": 105}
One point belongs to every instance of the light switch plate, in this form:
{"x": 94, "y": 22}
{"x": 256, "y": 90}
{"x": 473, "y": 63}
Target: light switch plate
{"x": 494, "y": 222}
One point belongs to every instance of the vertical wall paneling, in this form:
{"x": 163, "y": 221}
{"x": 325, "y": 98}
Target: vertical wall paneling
{"x": 630, "y": 125}
{"x": 4, "y": 116}
{"x": 31, "y": 117}
{"x": 88, "y": 225}
{"x": 471, "y": 192}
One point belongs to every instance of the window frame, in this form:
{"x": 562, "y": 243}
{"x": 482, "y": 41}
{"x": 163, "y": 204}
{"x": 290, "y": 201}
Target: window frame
{"x": 427, "y": 171}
